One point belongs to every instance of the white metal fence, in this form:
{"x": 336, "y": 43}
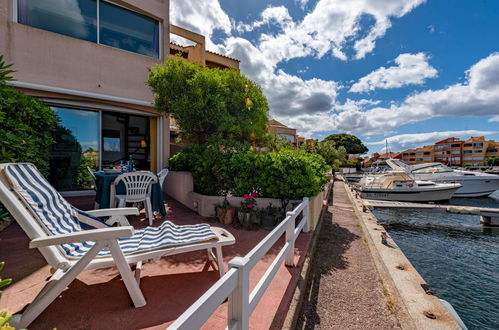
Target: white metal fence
{"x": 235, "y": 283}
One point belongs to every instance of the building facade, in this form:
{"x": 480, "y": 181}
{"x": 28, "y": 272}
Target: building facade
{"x": 454, "y": 152}
{"x": 89, "y": 61}
{"x": 288, "y": 133}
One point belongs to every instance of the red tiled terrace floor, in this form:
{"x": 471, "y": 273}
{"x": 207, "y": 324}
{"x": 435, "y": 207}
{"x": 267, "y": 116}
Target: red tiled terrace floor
{"x": 98, "y": 300}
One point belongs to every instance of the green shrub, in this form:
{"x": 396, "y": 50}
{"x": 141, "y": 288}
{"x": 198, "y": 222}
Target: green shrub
{"x": 291, "y": 174}
{"x": 209, "y": 103}
{"x": 26, "y": 126}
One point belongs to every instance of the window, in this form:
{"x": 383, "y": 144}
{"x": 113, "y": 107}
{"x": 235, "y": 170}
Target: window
{"x": 477, "y": 158}
{"x": 114, "y": 26}
{"x": 74, "y": 18}
{"x": 477, "y": 151}
{"x": 76, "y": 147}
{"x": 456, "y": 152}
{"x": 468, "y": 151}
{"x": 468, "y": 145}
{"x": 419, "y": 153}
{"x": 443, "y": 146}
{"x": 434, "y": 168}
{"x": 456, "y": 146}
{"x": 478, "y": 144}
{"x": 124, "y": 29}
{"x": 427, "y": 153}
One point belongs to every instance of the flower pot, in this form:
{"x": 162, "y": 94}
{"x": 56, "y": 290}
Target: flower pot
{"x": 269, "y": 222}
{"x": 225, "y": 215}
{"x": 244, "y": 218}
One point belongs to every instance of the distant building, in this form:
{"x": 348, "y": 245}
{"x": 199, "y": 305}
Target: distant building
{"x": 376, "y": 157}
{"x": 453, "y": 151}
{"x": 277, "y": 128}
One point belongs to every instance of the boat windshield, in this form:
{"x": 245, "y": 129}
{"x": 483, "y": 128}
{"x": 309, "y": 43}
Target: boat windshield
{"x": 440, "y": 168}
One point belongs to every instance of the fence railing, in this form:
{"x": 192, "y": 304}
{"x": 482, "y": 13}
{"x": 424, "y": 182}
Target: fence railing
{"x": 235, "y": 283}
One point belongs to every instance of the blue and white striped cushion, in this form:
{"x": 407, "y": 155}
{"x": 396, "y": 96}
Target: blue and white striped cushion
{"x": 57, "y": 216}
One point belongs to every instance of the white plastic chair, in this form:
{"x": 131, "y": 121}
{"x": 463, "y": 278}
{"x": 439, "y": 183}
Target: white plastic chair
{"x": 138, "y": 187}
{"x": 56, "y": 228}
{"x": 162, "y": 176}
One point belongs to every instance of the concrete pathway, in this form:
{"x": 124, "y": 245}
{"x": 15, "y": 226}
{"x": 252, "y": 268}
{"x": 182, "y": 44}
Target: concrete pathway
{"x": 344, "y": 291}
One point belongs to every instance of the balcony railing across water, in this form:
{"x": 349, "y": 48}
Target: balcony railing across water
{"x": 235, "y": 283}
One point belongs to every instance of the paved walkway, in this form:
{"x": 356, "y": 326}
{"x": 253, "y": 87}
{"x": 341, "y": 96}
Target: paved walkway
{"x": 344, "y": 291}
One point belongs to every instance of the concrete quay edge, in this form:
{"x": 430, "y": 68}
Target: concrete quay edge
{"x": 412, "y": 305}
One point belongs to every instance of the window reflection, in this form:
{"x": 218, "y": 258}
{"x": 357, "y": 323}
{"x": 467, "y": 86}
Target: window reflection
{"x": 74, "y": 18}
{"x": 128, "y": 30}
{"x": 76, "y": 148}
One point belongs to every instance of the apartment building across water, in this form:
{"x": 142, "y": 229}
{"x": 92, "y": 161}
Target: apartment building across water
{"x": 455, "y": 152}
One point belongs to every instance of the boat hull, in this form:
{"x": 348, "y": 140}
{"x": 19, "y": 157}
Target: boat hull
{"x": 409, "y": 196}
{"x": 475, "y": 187}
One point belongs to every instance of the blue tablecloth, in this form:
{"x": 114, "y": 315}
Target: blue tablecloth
{"x": 102, "y": 196}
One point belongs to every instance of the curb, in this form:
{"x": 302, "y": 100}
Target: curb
{"x": 302, "y": 285}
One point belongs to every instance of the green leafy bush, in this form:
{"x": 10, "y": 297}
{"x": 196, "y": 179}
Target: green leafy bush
{"x": 26, "y": 126}
{"x": 291, "y": 174}
{"x": 208, "y": 103}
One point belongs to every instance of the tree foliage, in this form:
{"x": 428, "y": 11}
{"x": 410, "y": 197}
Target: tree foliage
{"x": 209, "y": 104}
{"x": 26, "y": 126}
{"x": 351, "y": 143}
{"x": 492, "y": 161}
{"x": 333, "y": 156}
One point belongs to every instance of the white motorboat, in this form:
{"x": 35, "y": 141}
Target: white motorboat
{"x": 474, "y": 184}
{"x": 399, "y": 186}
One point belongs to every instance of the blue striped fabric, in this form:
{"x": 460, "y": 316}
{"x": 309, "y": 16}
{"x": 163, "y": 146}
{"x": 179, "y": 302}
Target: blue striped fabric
{"x": 57, "y": 216}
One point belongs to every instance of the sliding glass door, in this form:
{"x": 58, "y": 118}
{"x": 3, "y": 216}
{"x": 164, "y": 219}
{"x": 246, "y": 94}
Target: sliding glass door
{"x": 76, "y": 148}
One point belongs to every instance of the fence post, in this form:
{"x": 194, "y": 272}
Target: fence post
{"x": 290, "y": 233}
{"x": 239, "y": 298}
{"x": 306, "y": 213}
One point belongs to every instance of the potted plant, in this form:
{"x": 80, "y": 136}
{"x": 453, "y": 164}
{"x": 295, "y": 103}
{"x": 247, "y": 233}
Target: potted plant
{"x": 270, "y": 216}
{"x": 247, "y": 209}
{"x": 225, "y": 212}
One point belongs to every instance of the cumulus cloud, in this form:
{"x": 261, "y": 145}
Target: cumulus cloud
{"x": 477, "y": 96}
{"x": 409, "y": 69}
{"x": 203, "y": 17}
{"x": 409, "y": 141}
{"x": 277, "y": 15}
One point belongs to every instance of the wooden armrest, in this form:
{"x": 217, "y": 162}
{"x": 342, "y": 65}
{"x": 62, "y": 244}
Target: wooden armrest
{"x": 101, "y": 234}
{"x": 114, "y": 211}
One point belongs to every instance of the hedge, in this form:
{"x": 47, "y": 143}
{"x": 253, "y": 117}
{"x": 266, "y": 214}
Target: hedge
{"x": 291, "y": 174}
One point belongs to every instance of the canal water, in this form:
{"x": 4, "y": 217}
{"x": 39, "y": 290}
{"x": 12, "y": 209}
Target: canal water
{"x": 455, "y": 254}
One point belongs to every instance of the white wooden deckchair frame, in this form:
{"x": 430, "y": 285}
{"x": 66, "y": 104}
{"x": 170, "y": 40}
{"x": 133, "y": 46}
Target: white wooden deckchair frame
{"x": 66, "y": 270}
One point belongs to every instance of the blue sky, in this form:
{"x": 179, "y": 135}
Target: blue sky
{"x": 410, "y": 71}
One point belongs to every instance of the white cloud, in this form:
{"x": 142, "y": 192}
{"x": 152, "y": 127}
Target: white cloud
{"x": 494, "y": 119}
{"x": 302, "y": 3}
{"x": 409, "y": 141}
{"x": 278, "y": 15}
{"x": 409, "y": 69}
{"x": 202, "y": 17}
{"x": 477, "y": 96}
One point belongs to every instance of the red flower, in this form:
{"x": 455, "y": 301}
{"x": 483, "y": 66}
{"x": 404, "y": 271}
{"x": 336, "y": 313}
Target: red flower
{"x": 250, "y": 206}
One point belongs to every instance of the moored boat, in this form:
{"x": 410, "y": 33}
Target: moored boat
{"x": 399, "y": 186}
{"x": 474, "y": 184}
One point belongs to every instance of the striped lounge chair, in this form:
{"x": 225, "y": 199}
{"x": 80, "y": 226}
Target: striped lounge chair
{"x": 72, "y": 240}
